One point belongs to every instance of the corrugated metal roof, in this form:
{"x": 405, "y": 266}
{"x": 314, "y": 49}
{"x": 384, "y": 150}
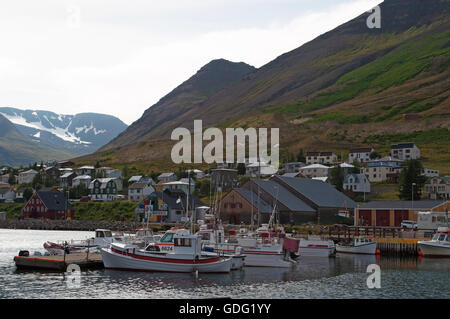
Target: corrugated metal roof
{"x": 320, "y": 193}
{"x": 252, "y": 197}
{"x": 54, "y": 200}
{"x": 284, "y": 196}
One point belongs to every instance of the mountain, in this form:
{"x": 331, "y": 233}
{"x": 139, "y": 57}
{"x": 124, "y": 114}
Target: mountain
{"x": 348, "y": 87}
{"x": 17, "y": 149}
{"x": 74, "y": 134}
{"x": 209, "y": 80}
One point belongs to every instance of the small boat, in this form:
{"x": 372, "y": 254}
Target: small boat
{"x": 186, "y": 257}
{"x": 439, "y": 246}
{"x": 262, "y": 249}
{"x": 103, "y": 237}
{"x": 315, "y": 247}
{"x": 359, "y": 245}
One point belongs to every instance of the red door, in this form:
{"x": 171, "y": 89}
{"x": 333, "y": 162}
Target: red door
{"x": 382, "y": 218}
{"x": 400, "y": 215}
{"x": 365, "y": 218}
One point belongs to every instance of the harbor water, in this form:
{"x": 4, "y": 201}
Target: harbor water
{"x": 344, "y": 276}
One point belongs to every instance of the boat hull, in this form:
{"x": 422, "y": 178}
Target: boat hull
{"x": 309, "y": 248}
{"x": 123, "y": 261}
{"x": 432, "y": 249}
{"x": 368, "y": 249}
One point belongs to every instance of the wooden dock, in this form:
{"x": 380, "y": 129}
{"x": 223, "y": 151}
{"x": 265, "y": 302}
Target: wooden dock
{"x": 60, "y": 262}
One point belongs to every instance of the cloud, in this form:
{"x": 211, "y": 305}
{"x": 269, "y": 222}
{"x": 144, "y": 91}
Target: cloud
{"x": 107, "y": 57}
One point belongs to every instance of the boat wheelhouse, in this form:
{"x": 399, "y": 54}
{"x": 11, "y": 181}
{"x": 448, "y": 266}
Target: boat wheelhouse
{"x": 359, "y": 245}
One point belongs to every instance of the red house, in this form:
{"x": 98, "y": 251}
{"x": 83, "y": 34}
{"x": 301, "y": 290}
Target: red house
{"x": 48, "y": 205}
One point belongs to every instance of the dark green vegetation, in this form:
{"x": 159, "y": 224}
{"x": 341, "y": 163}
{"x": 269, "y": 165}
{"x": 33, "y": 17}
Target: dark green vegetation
{"x": 108, "y": 211}
{"x": 411, "y": 181}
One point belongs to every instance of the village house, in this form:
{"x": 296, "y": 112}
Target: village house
{"x": 223, "y": 179}
{"x": 167, "y": 177}
{"x": 356, "y": 183}
{"x": 168, "y": 206}
{"x": 139, "y": 190}
{"x": 392, "y": 213}
{"x": 260, "y": 169}
{"x": 428, "y": 172}
{"x": 437, "y": 188}
{"x": 382, "y": 172}
{"x": 19, "y": 195}
{"x": 85, "y": 170}
{"x": 315, "y": 170}
{"x": 135, "y": 179}
{"x": 65, "y": 164}
{"x": 82, "y": 179}
{"x": 66, "y": 180}
{"x": 405, "y": 151}
{"x": 27, "y": 176}
{"x": 321, "y": 158}
{"x": 103, "y": 189}
{"x": 4, "y": 178}
{"x": 293, "y": 167}
{"x": 108, "y": 172}
{"x": 48, "y": 205}
{"x": 361, "y": 154}
{"x": 182, "y": 185}
{"x": 7, "y": 195}
{"x": 52, "y": 173}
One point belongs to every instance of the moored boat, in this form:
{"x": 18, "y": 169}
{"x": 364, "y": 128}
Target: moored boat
{"x": 439, "y": 246}
{"x": 359, "y": 245}
{"x": 315, "y": 247}
{"x": 103, "y": 237}
{"x": 185, "y": 257}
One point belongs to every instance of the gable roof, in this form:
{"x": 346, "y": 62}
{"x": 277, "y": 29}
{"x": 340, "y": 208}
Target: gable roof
{"x": 54, "y": 200}
{"x": 320, "y": 193}
{"x": 253, "y": 199}
{"x": 139, "y": 185}
{"x": 361, "y": 150}
{"x": 358, "y": 178}
{"x": 284, "y": 196}
{"x": 402, "y": 145}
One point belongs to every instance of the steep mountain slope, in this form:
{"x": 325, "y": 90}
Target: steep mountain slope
{"x": 17, "y": 149}
{"x": 348, "y": 87}
{"x": 206, "y": 82}
{"x": 75, "y": 134}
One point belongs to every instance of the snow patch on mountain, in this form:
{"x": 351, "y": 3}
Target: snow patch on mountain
{"x": 86, "y": 129}
{"x": 62, "y": 133}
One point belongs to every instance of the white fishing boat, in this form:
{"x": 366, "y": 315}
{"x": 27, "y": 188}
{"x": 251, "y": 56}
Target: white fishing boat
{"x": 315, "y": 247}
{"x": 260, "y": 250}
{"x": 185, "y": 257}
{"x": 439, "y": 246}
{"x": 103, "y": 237}
{"x": 359, "y": 245}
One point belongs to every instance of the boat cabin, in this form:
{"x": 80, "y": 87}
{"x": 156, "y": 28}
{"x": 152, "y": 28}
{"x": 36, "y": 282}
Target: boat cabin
{"x": 187, "y": 245}
{"x": 362, "y": 241}
{"x": 442, "y": 235}
{"x": 103, "y": 233}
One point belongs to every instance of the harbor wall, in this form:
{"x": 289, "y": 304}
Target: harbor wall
{"x": 86, "y": 225}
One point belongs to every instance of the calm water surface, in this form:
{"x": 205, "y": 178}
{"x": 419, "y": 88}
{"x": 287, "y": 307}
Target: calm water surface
{"x": 341, "y": 277}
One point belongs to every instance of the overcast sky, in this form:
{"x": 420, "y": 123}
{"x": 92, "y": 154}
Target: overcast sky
{"x": 119, "y": 57}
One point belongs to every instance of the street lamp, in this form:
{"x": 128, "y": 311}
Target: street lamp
{"x": 412, "y": 195}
